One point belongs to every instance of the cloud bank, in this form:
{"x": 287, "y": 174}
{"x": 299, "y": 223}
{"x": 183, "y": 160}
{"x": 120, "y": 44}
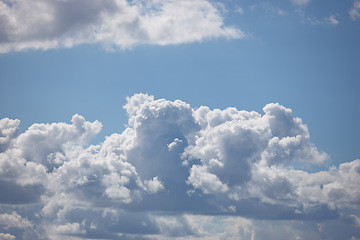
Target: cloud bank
{"x": 48, "y": 24}
{"x": 175, "y": 173}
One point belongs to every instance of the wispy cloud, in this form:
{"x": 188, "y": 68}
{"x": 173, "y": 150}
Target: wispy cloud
{"x": 267, "y": 7}
{"x": 46, "y": 24}
{"x": 239, "y": 10}
{"x": 172, "y": 173}
{"x": 332, "y": 20}
{"x": 300, "y": 2}
{"x": 355, "y": 11}
{"x": 271, "y": 8}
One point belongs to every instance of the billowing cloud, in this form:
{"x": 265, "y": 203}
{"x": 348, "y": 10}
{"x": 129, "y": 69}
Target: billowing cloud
{"x": 175, "y": 173}
{"x": 9, "y": 129}
{"x": 46, "y": 24}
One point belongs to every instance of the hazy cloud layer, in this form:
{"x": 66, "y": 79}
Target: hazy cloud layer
{"x": 46, "y": 24}
{"x": 175, "y": 172}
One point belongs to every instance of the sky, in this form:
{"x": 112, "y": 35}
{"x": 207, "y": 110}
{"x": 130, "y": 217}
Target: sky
{"x": 233, "y": 119}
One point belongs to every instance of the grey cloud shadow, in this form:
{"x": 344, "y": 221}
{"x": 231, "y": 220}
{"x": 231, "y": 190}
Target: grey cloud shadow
{"x": 12, "y": 193}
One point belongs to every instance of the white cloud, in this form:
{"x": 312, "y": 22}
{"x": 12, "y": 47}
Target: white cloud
{"x": 231, "y": 141}
{"x": 40, "y": 140}
{"x": 175, "y": 143}
{"x": 332, "y": 20}
{"x": 208, "y": 182}
{"x": 9, "y": 129}
{"x": 46, "y": 24}
{"x": 344, "y": 190}
{"x": 239, "y": 10}
{"x": 355, "y": 11}
{"x": 172, "y": 160}
{"x": 154, "y": 185}
{"x": 13, "y": 220}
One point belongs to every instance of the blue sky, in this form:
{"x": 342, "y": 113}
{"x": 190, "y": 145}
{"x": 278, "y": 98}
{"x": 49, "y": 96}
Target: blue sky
{"x": 90, "y": 56}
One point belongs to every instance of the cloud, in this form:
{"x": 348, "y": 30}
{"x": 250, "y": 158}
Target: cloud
{"x": 355, "y": 11}
{"x": 13, "y": 226}
{"x": 300, "y": 2}
{"x": 267, "y": 7}
{"x": 332, "y": 20}
{"x": 174, "y": 173}
{"x": 9, "y": 129}
{"x": 13, "y": 220}
{"x": 46, "y": 24}
{"x": 239, "y": 10}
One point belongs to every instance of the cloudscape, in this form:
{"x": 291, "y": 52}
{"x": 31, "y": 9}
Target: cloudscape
{"x": 174, "y": 172}
{"x": 179, "y": 119}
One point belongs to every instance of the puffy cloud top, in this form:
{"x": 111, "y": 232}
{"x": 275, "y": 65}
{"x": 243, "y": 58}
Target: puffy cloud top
{"x": 9, "y": 129}
{"x": 170, "y": 160}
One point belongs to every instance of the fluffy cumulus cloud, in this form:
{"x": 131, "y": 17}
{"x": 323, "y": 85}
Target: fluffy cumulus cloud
{"x": 175, "y": 173}
{"x": 46, "y": 24}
